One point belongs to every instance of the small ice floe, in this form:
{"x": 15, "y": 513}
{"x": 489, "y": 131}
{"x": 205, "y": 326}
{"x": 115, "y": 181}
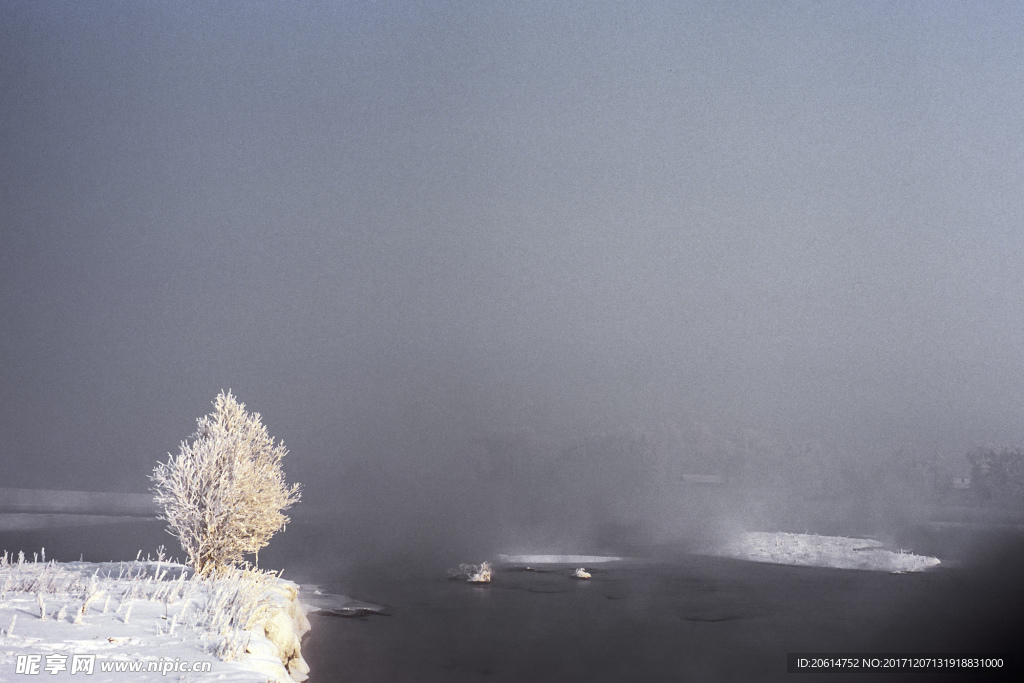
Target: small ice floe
{"x": 330, "y": 605}
{"x": 581, "y": 573}
{"x": 472, "y": 573}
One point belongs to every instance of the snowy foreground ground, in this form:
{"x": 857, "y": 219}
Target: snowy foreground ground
{"x": 810, "y": 550}
{"x": 146, "y": 621}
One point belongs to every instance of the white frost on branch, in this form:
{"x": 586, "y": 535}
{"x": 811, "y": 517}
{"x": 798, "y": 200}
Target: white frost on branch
{"x": 224, "y": 494}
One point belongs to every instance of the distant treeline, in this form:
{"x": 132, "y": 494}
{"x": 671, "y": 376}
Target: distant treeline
{"x": 997, "y": 473}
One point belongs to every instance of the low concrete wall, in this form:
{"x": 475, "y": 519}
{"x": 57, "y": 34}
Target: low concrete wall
{"x": 44, "y": 501}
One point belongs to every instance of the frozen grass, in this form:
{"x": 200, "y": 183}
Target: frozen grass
{"x": 824, "y": 551}
{"x": 250, "y": 621}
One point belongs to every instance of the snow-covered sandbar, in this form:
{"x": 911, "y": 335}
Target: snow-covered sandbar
{"x": 811, "y": 550}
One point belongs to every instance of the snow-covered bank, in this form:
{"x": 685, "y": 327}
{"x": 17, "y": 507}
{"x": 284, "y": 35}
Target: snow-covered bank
{"x": 150, "y": 620}
{"x": 811, "y": 550}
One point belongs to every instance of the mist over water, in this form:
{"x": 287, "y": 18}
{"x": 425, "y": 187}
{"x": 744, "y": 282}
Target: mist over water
{"x": 498, "y": 277}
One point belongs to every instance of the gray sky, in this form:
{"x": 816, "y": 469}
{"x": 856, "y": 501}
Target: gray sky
{"x": 386, "y": 225}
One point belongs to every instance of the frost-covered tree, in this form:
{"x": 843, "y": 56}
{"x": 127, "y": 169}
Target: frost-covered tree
{"x": 224, "y": 495}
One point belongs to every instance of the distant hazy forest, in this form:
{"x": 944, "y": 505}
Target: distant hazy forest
{"x": 673, "y": 478}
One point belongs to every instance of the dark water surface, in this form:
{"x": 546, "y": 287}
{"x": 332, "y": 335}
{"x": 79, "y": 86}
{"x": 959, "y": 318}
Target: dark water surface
{"x": 690, "y": 619}
{"x": 676, "y": 617}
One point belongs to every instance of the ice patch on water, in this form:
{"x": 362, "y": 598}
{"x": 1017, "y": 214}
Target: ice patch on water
{"x": 811, "y": 550}
{"x": 577, "y": 560}
{"x": 331, "y": 605}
